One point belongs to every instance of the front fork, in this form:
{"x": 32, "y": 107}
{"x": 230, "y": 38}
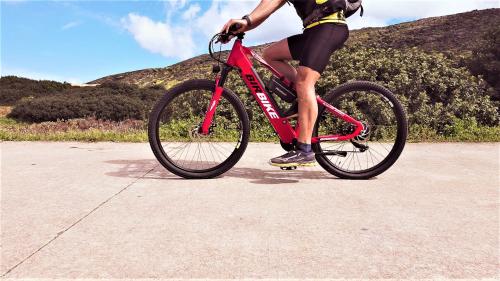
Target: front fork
{"x": 212, "y": 106}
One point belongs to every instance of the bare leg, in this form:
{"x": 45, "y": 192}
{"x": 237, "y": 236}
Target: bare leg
{"x": 308, "y": 107}
{"x": 305, "y": 78}
{"x": 277, "y": 56}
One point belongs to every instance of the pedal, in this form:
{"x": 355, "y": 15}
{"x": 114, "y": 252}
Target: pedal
{"x": 289, "y": 168}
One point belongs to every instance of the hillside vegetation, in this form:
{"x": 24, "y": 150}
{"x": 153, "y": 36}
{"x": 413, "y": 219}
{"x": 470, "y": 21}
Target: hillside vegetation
{"x": 458, "y": 36}
{"x": 445, "y": 76}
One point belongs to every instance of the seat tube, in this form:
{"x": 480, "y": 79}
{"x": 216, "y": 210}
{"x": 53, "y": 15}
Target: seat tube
{"x": 212, "y": 107}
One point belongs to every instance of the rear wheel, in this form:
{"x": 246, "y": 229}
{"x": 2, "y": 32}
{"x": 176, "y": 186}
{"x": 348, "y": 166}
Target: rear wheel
{"x": 174, "y": 136}
{"x": 380, "y": 143}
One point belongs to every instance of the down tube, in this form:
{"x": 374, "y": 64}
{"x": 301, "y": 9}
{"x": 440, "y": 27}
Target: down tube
{"x": 281, "y": 125}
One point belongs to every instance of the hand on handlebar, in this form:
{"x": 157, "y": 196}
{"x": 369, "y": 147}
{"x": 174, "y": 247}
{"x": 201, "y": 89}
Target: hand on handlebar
{"x": 233, "y": 26}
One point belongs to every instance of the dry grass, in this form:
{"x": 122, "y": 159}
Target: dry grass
{"x": 85, "y": 125}
{"x": 92, "y": 130}
{"x": 4, "y": 110}
{"x": 74, "y": 130}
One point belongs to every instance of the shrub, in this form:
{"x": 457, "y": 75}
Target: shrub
{"x": 15, "y": 88}
{"x": 109, "y": 101}
{"x": 430, "y": 87}
{"x": 485, "y": 61}
{"x": 60, "y": 107}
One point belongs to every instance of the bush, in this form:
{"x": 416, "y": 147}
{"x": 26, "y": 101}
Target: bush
{"x": 485, "y": 61}
{"x": 60, "y": 107}
{"x": 109, "y": 101}
{"x": 15, "y": 88}
{"x": 430, "y": 87}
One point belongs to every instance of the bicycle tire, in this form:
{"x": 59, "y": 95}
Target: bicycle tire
{"x": 154, "y": 135}
{"x": 402, "y": 131}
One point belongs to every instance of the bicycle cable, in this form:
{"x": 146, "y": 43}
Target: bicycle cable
{"x": 211, "y": 51}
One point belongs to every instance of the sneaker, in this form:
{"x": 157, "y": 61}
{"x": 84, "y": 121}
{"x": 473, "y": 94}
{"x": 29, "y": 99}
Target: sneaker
{"x": 294, "y": 159}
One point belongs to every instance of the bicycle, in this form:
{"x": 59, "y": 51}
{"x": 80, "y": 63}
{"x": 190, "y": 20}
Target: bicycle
{"x": 199, "y": 129}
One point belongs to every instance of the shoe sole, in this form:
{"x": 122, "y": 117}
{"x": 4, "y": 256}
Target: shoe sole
{"x": 289, "y": 165}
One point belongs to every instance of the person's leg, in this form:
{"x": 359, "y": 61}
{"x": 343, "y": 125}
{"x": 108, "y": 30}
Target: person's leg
{"x": 313, "y": 50}
{"x": 304, "y": 80}
{"x": 322, "y": 41}
{"x": 277, "y": 55}
{"x": 308, "y": 106}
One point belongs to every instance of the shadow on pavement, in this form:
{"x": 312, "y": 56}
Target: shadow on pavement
{"x": 137, "y": 168}
{"x": 275, "y": 175}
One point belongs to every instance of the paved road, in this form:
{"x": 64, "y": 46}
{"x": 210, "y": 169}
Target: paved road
{"x": 106, "y": 210}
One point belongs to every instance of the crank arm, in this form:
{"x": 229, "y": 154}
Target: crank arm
{"x": 360, "y": 146}
{"x": 334, "y": 153}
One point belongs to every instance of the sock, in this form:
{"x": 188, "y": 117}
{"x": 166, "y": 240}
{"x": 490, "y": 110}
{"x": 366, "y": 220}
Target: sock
{"x": 304, "y": 147}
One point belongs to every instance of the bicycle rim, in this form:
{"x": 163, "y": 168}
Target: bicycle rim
{"x": 177, "y": 133}
{"x": 379, "y": 144}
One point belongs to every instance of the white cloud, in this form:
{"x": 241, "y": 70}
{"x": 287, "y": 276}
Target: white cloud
{"x": 281, "y": 24}
{"x": 387, "y": 9}
{"x": 160, "y": 37}
{"x": 381, "y": 12}
{"x": 191, "y": 12}
{"x": 198, "y": 26}
{"x": 70, "y": 25}
{"x": 285, "y": 21}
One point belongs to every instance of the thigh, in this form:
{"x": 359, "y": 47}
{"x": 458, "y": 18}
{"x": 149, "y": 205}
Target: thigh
{"x": 321, "y": 42}
{"x": 278, "y": 51}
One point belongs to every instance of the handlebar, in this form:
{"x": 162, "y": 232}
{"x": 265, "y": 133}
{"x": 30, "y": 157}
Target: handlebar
{"x": 224, "y": 38}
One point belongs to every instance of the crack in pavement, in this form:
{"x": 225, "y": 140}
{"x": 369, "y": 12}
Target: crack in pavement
{"x": 78, "y": 221}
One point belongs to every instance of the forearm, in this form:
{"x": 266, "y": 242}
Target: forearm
{"x": 263, "y": 11}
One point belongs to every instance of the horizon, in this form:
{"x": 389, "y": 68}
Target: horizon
{"x": 52, "y": 40}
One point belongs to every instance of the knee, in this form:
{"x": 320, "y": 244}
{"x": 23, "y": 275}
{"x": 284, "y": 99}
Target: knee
{"x": 302, "y": 84}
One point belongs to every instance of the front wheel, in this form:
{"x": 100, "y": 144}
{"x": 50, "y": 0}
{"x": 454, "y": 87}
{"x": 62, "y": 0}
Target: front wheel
{"x": 174, "y": 136}
{"x": 379, "y": 144}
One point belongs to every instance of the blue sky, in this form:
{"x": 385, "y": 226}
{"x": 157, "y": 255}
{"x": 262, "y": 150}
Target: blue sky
{"x": 79, "y": 41}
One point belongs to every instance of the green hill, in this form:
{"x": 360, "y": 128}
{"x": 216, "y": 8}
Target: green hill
{"x": 456, "y": 35}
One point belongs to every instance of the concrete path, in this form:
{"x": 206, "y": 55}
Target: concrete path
{"x": 106, "y": 210}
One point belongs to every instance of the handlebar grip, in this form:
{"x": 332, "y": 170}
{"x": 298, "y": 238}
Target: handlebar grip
{"x": 235, "y": 27}
{"x": 224, "y": 37}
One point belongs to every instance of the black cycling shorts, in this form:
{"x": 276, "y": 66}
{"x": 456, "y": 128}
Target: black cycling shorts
{"x": 314, "y": 47}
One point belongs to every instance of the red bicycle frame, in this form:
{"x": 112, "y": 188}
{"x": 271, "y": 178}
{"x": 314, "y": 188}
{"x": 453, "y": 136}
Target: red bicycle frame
{"x": 239, "y": 58}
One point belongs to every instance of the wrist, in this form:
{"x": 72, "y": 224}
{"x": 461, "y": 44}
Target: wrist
{"x": 247, "y": 19}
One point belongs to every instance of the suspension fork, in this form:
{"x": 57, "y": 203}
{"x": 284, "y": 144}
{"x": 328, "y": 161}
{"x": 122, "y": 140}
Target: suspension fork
{"x": 212, "y": 106}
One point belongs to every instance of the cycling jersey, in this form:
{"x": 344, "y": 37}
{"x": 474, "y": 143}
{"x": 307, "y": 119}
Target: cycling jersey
{"x": 314, "y": 12}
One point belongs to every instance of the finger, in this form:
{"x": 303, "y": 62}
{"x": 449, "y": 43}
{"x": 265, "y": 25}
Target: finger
{"x": 229, "y": 23}
{"x": 225, "y": 26}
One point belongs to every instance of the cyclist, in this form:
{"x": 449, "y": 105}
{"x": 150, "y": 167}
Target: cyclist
{"x": 325, "y": 30}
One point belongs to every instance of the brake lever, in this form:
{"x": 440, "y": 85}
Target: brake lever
{"x": 223, "y": 38}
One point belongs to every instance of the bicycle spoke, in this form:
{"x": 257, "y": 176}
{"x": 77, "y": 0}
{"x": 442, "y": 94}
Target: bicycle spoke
{"x": 374, "y": 144}
{"x": 180, "y": 136}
